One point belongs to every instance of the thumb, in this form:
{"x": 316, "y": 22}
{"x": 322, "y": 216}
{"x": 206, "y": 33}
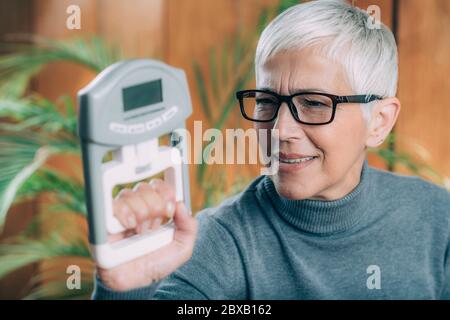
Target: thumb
{"x": 185, "y": 226}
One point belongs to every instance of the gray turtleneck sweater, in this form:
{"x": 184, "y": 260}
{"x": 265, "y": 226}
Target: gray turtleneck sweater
{"x": 387, "y": 239}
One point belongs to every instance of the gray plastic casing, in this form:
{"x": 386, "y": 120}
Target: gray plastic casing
{"x": 101, "y": 104}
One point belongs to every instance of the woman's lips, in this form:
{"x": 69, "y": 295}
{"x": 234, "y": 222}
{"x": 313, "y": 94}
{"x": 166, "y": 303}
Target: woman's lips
{"x": 289, "y": 162}
{"x": 283, "y": 155}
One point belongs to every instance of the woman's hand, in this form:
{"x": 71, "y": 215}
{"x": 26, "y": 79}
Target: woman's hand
{"x": 142, "y": 209}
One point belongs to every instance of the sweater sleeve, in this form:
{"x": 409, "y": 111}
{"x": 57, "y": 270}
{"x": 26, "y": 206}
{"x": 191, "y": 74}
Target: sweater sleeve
{"x": 446, "y": 289}
{"x": 102, "y": 292}
{"x": 215, "y": 270}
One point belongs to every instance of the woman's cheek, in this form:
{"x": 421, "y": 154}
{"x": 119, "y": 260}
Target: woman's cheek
{"x": 263, "y": 130}
{"x": 333, "y": 147}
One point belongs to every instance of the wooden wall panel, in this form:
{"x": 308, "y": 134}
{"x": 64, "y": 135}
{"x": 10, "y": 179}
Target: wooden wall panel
{"x": 49, "y": 21}
{"x": 181, "y": 31}
{"x": 133, "y": 25}
{"x": 16, "y": 17}
{"x": 192, "y": 31}
{"x": 424, "y": 87}
{"x": 136, "y": 25}
{"x": 386, "y": 10}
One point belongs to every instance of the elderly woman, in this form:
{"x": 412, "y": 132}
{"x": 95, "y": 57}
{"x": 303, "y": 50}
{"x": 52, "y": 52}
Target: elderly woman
{"x": 325, "y": 225}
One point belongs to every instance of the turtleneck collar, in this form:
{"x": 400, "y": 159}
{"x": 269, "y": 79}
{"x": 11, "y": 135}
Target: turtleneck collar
{"x": 318, "y": 216}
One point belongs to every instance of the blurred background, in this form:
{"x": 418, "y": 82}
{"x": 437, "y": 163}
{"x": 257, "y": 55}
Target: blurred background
{"x": 43, "y": 64}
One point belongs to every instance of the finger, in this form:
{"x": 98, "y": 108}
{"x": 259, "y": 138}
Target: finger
{"x": 115, "y": 237}
{"x": 156, "y": 223}
{"x": 170, "y": 257}
{"x": 142, "y": 271}
{"x": 136, "y": 204}
{"x": 152, "y": 198}
{"x": 124, "y": 214}
{"x": 154, "y": 201}
{"x": 160, "y": 263}
{"x": 167, "y": 259}
{"x": 185, "y": 227}
{"x": 167, "y": 193}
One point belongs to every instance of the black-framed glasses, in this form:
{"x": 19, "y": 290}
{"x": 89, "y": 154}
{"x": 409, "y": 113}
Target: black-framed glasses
{"x": 313, "y": 108}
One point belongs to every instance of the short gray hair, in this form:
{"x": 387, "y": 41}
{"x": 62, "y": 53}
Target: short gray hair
{"x": 369, "y": 55}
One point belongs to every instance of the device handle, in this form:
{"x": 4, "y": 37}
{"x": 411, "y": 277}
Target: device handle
{"x": 133, "y": 163}
{"x": 136, "y": 162}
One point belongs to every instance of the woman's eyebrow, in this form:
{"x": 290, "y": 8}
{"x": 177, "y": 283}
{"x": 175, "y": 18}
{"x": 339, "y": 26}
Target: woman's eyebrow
{"x": 297, "y": 90}
{"x": 266, "y": 89}
{"x": 309, "y": 90}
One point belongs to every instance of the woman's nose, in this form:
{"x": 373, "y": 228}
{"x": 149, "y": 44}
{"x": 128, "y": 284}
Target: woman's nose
{"x": 287, "y": 126}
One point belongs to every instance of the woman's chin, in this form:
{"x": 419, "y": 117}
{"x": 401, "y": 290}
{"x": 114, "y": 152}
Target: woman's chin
{"x": 291, "y": 190}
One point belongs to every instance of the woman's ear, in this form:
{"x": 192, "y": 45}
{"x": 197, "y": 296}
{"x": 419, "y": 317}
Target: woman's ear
{"x": 383, "y": 117}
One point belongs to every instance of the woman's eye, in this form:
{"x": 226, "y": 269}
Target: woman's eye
{"x": 264, "y": 102}
{"x": 315, "y": 104}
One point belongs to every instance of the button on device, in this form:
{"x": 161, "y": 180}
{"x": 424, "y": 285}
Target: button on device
{"x": 117, "y": 127}
{"x": 153, "y": 123}
{"x": 170, "y": 113}
{"x": 136, "y": 128}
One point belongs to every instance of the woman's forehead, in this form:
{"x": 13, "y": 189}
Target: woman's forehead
{"x": 301, "y": 70}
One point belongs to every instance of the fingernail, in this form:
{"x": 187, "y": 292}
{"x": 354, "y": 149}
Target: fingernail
{"x": 152, "y": 184}
{"x": 156, "y": 223}
{"x": 131, "y": 222}
{"x": 170, "y": 209}
{"x": 145, "y": 226}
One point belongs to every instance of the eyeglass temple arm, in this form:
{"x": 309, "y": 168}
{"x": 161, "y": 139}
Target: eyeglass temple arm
{"x": 364, "y": 98}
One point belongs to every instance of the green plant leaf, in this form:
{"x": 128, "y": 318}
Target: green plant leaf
{"x": 237, "y": 50}
{"x": 262, "y": 20}
{"x": 286, "y": 4}
{"x": 35, "y": 112}
{"x": 14, "y": 256}
{"x": 200, "y": 81}
{"x": 214, "y": 73}
{"x": 231, "y": 103}
{"x": 224, "y": 60}
{"x": 203, "y": 165}
{"x": 18, "y": 163}
{"x": 68, "y": 191}
{"x": 16, "y": 86}
{"x": 31, "y": 53}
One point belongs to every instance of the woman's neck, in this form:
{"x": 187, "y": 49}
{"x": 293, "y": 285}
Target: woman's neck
{"x": 344, "y": 186}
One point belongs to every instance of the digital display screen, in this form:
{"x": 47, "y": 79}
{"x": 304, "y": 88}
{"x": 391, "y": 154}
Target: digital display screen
{"x": 142, "y": 95}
